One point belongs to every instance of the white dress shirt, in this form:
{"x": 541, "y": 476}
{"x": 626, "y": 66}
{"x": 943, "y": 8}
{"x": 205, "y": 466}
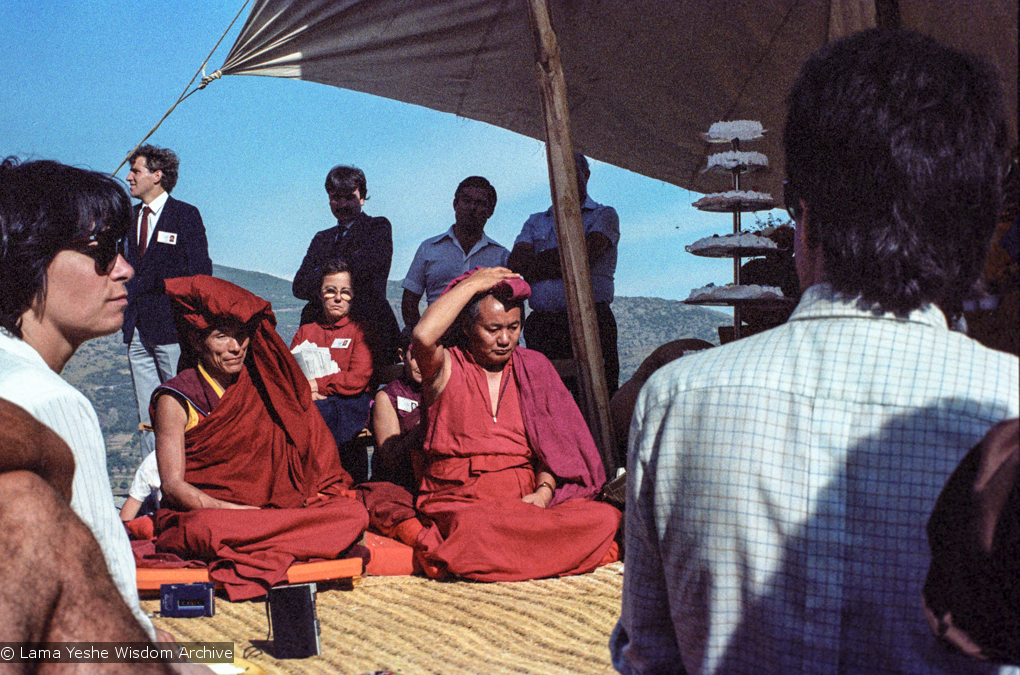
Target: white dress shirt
{"x": 156, "y": 206}
{"x": 27, "y": 381}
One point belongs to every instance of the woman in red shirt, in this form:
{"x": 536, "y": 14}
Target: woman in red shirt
{"x": 342, "y": 397}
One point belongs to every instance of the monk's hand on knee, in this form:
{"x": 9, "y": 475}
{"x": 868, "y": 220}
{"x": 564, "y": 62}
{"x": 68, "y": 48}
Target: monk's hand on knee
{"x": 543, "y": 494}
{"x": 540, "y": 497}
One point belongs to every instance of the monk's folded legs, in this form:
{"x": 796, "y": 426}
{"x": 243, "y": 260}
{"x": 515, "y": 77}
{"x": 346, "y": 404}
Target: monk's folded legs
{"x": 510, "y": 540}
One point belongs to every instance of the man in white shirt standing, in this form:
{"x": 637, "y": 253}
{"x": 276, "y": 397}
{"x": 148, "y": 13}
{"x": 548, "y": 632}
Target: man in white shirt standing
{"x": 779, "y": 486}
{"x": 465, "y": 246}
{"x": 63, "y": 282}
{"x": 168, "y": 240}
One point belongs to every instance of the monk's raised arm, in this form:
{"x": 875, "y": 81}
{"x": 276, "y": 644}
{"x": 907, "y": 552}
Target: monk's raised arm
{"x": 169, "y": 425}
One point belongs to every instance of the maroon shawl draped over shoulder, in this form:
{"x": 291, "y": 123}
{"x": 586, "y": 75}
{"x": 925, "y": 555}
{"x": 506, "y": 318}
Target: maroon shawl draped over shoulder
{"x": 263, "y": 444}
{"x": 555, "y": 427}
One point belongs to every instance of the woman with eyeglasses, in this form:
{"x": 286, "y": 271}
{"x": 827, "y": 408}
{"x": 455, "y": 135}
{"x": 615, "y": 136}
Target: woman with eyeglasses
{"x": 342, "y": 397}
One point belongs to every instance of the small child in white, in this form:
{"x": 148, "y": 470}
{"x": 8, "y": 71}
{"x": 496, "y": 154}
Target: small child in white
{"x": 144, "y": 495}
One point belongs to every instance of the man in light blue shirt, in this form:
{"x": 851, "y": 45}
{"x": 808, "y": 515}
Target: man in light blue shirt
{"x": 536, "y": 256}
{"x": 465, "y": 246}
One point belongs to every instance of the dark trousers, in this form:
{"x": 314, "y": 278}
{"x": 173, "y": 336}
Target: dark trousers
{"x": 346, "y": 416}
{"x": 549, "y": 333}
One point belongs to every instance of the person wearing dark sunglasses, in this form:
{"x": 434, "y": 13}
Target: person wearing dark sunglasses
{"x": 63, "y": 281}
{"x": 103, "y": 247}
{"x": 62, "y": 278}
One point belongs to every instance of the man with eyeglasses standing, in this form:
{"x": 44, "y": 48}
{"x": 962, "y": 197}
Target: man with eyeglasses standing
{"x": 167, "y": 240}
{"x": 63, "y": 282}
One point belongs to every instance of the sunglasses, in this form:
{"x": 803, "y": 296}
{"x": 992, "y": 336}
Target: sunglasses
{"x": 103, "y": 248}
{"x": 791, "y": 200}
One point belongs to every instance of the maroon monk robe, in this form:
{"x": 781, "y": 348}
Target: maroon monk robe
{"x": 264, "y": 445}
{"x": 555, "y": 427}
{"x": 482, "y": 462}
{"x": 555, "y": 430}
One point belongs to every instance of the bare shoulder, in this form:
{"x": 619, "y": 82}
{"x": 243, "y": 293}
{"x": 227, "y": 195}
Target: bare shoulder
{"x": 432, "y": 390}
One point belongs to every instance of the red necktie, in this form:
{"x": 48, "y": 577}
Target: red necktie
{"x": 143, "y": 232}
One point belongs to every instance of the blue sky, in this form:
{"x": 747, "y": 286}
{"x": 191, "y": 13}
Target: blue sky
{"x": 83, "y": 81}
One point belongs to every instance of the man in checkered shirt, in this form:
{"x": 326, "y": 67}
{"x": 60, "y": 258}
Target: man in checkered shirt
{"x": 779, "y": 486}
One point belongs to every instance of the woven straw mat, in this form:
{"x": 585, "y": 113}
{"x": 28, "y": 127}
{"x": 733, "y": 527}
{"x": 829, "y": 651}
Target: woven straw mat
{"x": 414, "y": 625}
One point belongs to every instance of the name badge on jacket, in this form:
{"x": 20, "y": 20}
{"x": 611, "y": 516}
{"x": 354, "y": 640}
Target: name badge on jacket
{"x": 341, "y": 343}
{"x": 167, "y": 238}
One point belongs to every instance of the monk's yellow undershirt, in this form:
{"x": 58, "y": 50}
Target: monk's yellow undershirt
{"x": 193, "y": 414}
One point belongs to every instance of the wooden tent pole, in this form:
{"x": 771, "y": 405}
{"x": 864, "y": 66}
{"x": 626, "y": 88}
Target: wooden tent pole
{"x": 584, "y": 331}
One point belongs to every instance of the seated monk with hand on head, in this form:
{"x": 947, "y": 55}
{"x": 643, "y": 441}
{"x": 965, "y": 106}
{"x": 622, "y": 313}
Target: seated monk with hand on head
{"x": 511, "y": 466}
{"x": 236, "y": 432}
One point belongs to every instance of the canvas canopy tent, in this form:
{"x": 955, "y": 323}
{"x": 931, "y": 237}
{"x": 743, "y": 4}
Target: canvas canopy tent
{"x": 643, "y": 79}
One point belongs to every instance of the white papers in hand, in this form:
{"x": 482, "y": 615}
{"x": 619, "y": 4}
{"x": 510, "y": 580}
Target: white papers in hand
{"x": 315, "y": 361}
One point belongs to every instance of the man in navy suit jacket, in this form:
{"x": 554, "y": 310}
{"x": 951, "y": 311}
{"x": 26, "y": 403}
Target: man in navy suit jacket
{"x": 366, "y": 243}
{"x": 174, "y": 246}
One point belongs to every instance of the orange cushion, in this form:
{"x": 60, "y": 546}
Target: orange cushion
{"x": 389, "y": 556}
{"x": 149, "y": 579}
{"x": 324, "y": 570}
